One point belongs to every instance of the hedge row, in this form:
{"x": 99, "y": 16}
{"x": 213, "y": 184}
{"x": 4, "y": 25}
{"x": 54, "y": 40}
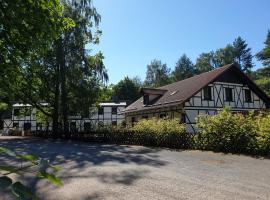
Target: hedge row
{"x": 225, "y": 132}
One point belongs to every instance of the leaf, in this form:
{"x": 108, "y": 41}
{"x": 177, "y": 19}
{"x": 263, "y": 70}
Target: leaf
{"x": 52, "y": 178}
{"x": 54, "y": 167}
{"x": 9, "y": 169}
{"x": 7, "y": 151}
{"x": 29, "y": 157}
{"x": 22, "y": 192}
{"x": 5, "y": 182}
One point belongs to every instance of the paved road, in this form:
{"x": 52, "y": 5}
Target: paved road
{"x": 98, "y": 171}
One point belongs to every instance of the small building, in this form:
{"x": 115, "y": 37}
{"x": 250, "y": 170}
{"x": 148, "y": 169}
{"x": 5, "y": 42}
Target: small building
{"x": 205, "y": 93}
{"x": 23, "y": 117}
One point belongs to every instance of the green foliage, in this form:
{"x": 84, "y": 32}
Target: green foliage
{"x": 205, "y": 62}
{"x": 226, "y": 131}
{"x": 262, "y": 122}
{"x": 264, "y": 54}
{"x": 234, "y": 132}
{"x": 184, "y": 68}
{"x": 18, "y": 189}
{"x": 126, "y": 89}
{"x": 163, "y": 132}
{"x": 242, "y": 54}
{"x": 42, "y": 117}
{"x": 264, "y": 84}
{"x": 157, "y": 74}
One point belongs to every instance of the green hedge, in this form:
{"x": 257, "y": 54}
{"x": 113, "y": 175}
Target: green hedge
{"x": 224, "y": 132}
{"x": 234, "y": 132}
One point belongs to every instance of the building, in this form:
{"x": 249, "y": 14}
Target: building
{"x": 205, "y": 93}
{"x": 23, "y": 117}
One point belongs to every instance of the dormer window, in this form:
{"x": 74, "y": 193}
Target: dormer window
{"x": 146, "y": 99}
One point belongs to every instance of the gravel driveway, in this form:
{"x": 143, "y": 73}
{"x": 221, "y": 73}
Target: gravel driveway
{"x": 100, "y": 171}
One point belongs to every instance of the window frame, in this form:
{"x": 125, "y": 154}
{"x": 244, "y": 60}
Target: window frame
{"x": 145, "y": 99}
{"x": 227, "y": 99}
{"x": 248, "y": 100}
{"x": 87, "y": 126}
{"x": 99, "y": 110}
{"x": 207, "y": 93}
{"x": 72, "y": 126}
{"x": 114, "y": 112}
{"x": 16, "y": 112}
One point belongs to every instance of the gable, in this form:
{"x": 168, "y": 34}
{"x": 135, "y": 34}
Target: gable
{"x": 181, "y": 91}
{"x": 229, "y": 76}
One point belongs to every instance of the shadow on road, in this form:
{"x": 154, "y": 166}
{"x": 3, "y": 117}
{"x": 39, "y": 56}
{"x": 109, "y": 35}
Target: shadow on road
{"x": 80, "y": 160}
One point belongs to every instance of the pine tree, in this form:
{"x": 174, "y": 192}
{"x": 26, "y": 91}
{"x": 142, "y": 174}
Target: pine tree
{"x": 264, "y": 54}
{"x": 184, "y": 68}
{"x": 242, "y": 54}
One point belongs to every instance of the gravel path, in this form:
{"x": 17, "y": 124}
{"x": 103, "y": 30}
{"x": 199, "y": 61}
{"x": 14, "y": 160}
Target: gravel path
{"x": 99, "y": 171}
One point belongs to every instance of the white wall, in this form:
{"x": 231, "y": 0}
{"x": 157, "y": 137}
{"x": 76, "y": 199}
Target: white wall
{"x": 197, "y": 105}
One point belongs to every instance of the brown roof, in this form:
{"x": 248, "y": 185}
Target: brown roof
{"x": 180, "y": 91}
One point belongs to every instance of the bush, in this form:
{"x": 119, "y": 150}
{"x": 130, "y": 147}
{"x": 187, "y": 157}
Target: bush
{"x": 227, "y": 132}
{"x": 262, "y": 122}
{"x": 162, "y": 132}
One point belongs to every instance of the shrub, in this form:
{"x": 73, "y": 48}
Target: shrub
{"x": 226, "y": 131}
{"x": 162, "y": 132}
{"x": 262, "y": 122}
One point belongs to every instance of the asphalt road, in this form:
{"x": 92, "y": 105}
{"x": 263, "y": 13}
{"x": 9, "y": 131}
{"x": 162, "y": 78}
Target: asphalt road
{"x": 99, "y": 171}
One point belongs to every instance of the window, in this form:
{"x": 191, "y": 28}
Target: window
{"x": 183, "y": 118}
{"x": 248, "y": 96}
{"x": 72, "y": 126}
{"x": 146, "y": 99}
{"x": 16, "y": 112}
{"x": 207, "y": 94}
{"x": 163, "y": 115}
{"x": 133, "y": 120}
{"x": 27, "y": 126}
{"x": 114, "y": 110}
{"x": 39, "y": 126}
{"x": 100, "y": 110}
{"x": 1, "y": 124}
{"x": 15, "y": 125}
{"x": 228, "y": 94}
{"x": 114, "y": 123}
{"x": 87, "y": 126}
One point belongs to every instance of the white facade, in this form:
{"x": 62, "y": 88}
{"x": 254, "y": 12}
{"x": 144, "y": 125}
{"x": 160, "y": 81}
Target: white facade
{"x": 23, "y": 117}
{"x": 199, "y": 105}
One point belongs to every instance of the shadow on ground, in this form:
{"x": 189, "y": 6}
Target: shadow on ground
{"x": 81, "y": 160}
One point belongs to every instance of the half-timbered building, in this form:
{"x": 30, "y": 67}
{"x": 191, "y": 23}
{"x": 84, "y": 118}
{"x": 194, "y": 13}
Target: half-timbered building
{"x": 23, "y": 117}
{"x": 205, "y": 93}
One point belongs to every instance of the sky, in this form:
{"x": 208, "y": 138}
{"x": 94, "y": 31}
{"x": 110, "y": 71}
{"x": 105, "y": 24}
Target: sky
{"x": 137, "y": 31}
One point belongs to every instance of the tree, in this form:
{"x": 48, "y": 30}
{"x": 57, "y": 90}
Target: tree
{"x": 27, "y": 29}
{"x": 184, "y": 68}
{"x": 157, "y": 74}
{"x": 127, "y": 89}
{"x": 64, "y": 74}
{"x": 224, "y": 56}
{"x": 264, "y": 54}
{"x": 205, "y": 62}
{"x": 242, "y": 54}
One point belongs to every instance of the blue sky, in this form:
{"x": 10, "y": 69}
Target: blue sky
{"x": 138, "y": 31}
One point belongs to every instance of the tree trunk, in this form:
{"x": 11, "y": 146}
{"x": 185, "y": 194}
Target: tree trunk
{"x": 55, "y": 127}
{"x": 63, "y": 89}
